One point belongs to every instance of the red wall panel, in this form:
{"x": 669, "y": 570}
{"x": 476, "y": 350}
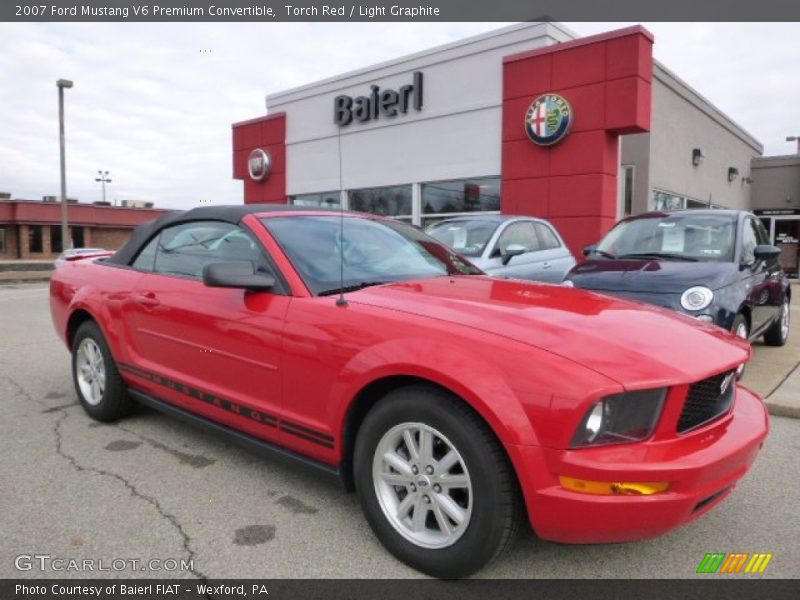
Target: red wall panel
{"x": 607, "y": 80}
{"x": 267, "y": 133}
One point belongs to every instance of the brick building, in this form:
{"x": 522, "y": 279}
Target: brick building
{"x": 31, "y": 229}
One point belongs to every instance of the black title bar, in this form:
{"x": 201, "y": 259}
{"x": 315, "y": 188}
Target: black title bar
{"x": 398, "y": 10}
{"x": 733, "y": 587}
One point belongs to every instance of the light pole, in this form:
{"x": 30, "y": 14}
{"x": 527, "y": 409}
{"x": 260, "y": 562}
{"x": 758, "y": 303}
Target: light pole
{"x": 794, "y": 138}
{"x": 63, "y": 84}
{"x": 104, "y": 179}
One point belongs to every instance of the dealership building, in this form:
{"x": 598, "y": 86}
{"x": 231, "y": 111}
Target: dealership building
{"x": 528, "y": 119}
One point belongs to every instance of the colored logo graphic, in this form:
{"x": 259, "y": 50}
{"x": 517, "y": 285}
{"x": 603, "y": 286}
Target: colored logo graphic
{"x": 736, "y": 562}
{"x": 548, "y": 119}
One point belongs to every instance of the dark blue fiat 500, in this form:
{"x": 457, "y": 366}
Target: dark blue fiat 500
{"x": 715, "y": 265}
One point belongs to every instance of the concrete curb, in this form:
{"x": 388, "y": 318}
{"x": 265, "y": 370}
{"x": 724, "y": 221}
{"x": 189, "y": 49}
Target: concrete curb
{"x": 784, "y": 400}
{"x": 781, "y": 410}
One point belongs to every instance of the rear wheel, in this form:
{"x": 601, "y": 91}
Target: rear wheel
{"x": 740, "y": 328}
{"x": 434, "y": 482}
{"x": 778, "y": 333}
{"x": 98, "y": 384}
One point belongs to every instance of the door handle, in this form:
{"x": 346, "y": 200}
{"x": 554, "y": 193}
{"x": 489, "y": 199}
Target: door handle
{"x": 546, "y": 265}
{"x": 146, "y": 299}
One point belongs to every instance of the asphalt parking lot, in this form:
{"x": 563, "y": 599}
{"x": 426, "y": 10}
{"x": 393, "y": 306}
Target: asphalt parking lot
{"x": 151, "y": 487}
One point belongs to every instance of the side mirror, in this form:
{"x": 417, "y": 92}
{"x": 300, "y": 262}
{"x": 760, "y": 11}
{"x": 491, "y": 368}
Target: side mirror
{"x": 766, "y": 252}
{"x": 511, "y": 251}
{"x": 236, "y": 274}
{"x": 587, "y": 250}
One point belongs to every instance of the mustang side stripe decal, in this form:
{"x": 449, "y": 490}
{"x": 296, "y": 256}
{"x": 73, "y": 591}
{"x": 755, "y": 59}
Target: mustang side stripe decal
{"x": 295, "y": 429}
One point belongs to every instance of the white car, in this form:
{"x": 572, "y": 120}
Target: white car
{"x": 65, "y": 256}
{"x": 508, "y": 246}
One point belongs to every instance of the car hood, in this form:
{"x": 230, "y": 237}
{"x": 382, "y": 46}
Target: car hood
{"x": 654, "y": 276}
{"x": 632, "y": 343}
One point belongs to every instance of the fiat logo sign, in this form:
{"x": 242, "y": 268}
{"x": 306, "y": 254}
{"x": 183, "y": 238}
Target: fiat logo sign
{"x": 259, "y": 164}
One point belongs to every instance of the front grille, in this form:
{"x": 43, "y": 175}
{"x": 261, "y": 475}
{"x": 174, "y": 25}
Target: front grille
{"x": 706, "y": 401}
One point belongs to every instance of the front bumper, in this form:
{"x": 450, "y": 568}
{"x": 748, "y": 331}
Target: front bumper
{"x": 702, "y": 467}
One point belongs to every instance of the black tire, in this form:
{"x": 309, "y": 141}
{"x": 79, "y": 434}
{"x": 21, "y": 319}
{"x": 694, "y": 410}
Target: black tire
{"x": 739, "y": 322}
{"x": 496, "y": 505}
{"x": 776, "y": 335}
{"x": 114, "y": 402}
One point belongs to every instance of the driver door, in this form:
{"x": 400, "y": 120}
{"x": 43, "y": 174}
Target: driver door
{"x": 213, "y": 351}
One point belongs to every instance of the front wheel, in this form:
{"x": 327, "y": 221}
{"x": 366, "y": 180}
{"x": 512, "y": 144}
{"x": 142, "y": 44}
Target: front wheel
{"x": 434, "y": 483}
{"x": 778, "y": 333}
{"x": 98, "y": 384}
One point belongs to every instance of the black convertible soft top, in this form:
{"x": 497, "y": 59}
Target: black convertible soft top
{"x": 230, "y": 214}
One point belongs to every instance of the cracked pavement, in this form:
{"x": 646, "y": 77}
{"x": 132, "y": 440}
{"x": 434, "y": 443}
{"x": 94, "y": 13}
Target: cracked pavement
{"x": 153, "y": 487}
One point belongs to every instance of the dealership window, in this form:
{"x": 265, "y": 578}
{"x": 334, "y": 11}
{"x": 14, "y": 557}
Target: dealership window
{"x": 445, "y": 199}
{"x": 2, "y": 239}
{"x": 391, "y": 201}
{"x": 697, "y": 204}
{"x": 669, "y": 201}
{"x": 626, "y": 193}
{"x": 322, "y": 200}
{"x": 35, "y": 238}
{"x": 77, "y": 237}
{"x": 55, "y": 239}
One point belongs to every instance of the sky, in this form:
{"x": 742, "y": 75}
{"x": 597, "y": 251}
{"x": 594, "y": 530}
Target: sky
{"x": 153, "y": 103}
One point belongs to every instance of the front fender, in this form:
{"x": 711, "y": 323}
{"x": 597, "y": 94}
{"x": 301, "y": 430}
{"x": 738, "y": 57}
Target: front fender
{"x": 728, "y": 302}
{"x": 465, "y": 372}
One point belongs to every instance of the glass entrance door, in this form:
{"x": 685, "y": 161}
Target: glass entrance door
{"x": 787, "y": 238}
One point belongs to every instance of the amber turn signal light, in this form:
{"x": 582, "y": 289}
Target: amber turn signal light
{"x": 614, "y": 488}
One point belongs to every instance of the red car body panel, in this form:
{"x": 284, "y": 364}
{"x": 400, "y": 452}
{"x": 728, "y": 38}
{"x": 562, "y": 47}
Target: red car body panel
{"x": 530, "y": 359}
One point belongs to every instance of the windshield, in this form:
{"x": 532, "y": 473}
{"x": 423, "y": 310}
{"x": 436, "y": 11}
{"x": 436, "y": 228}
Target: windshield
{"x": 702, "y": 237}
{"x": 465, "y": 237}
{"x": 374, "y": 252}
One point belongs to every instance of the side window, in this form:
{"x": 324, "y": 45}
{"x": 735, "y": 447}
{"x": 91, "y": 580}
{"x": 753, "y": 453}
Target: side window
{"x": 147, "y": 257}
{"x": 183, "y": 250}
{"x": 518, "y": 233}
{"x": 761, "y": 233}
{"x": 548, "y": 239}
{"x": 749, "y": 242}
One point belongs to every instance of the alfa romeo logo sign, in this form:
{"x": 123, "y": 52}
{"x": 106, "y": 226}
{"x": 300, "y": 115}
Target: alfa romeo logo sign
{"x": 548, "y": 119}
{"x": 259, "y": 164}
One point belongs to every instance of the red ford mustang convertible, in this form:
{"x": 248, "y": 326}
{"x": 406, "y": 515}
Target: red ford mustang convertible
{"x": 456, "y": 405}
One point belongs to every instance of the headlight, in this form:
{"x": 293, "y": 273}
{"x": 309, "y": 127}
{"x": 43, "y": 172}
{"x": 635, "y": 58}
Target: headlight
{"x": 696, "y": 298}
{"x": 620, "y": 419}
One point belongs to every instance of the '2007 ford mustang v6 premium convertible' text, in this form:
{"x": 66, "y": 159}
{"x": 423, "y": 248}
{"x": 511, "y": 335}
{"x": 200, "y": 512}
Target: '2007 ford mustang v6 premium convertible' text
{"x": 453, "y": 403}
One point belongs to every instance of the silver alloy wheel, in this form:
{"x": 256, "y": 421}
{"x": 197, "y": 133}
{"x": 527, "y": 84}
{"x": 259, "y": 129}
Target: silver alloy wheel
{"x": 91, "y": 371}
{"x": 423, "y": 485}
{"x": 785, "y": 319}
